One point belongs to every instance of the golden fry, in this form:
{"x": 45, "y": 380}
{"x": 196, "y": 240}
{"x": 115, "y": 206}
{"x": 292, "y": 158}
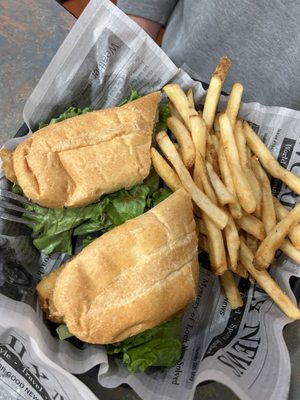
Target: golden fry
{"x": 202, "y": 180}
{"x": 232, "y": 240}
{"x": 198, "y": 132}
{"x": 190, "y": 97}
{"x": 215, "y": 142}
{"x": 269, "y": 285}
{"x": 268, "y": 161}
{"x": 231, "y": 290}
{"x": 268, "y": 209}
{"x": 234, "y": 102}
{"x": 200, "y": 223}
{"x": 235, "y": 209}
{"x": 241, "y": 144}
{"x": 214, "y": 91}
{"x": 290, "y": 251}
{"x": 246, "y": 165}
{"x": 216, "y": 123}
{"x": 215, "y": 242}
{"x": 165, "y": 171}
{"x": 174, "y": 112}
{"x": 203, "y": 243}
{"x": 266, "y": 250}
{"x": 282, "y": 212}
{"x": 183, "y": 137}
{"x": 223, "y": 195}
{"x": 216, "y": 247}
{"x": 180, "y": 102}
{"x": 252, "y": 242}
{"x": 241, "y": 184}
{"x": 211, "y": 153}
{"x": 250, "y": 224}
{"x": 242, "y": 272}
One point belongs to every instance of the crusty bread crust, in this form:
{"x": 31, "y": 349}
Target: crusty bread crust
{"x": 132, "y": 278}
{"x": 74, "y": 162}
{"x": 6, "y": 156}
{"x": 45, "y": 296}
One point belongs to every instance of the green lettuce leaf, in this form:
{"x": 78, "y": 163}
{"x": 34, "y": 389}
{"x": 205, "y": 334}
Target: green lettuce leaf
{"x": 163, "y": 115}
{"x": 69, "y": 113}
{"x": 63, "y": 332}
{"x": 156, "y": 347}
{"x": 57, "y": 243}
{"x": 54, "y": 228}
{"x": 133, "y": 96}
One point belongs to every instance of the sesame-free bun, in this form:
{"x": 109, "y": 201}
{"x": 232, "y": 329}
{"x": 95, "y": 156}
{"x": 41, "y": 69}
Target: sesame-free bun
{"x": 132, "y": 278}
{"x": 73, "y": 162}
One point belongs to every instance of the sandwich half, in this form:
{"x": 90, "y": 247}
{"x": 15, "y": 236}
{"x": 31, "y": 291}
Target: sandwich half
{"x": 74, "y": 162}
{"x": 133, "y": 278}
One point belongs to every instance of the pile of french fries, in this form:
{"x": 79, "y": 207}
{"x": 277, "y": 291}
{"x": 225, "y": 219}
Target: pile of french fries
{"x": 223, "y": 164}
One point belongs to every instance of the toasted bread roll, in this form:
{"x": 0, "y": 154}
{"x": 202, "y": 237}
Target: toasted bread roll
{"x": 132, "y": 278}
{"x": 74, "y": 162}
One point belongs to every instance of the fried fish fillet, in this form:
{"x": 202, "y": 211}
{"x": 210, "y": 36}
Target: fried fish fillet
{"x": 73, "y": 162}
{"x": 132, "y": 278}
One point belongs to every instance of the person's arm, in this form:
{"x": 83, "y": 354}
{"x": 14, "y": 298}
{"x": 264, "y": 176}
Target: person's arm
{"x": 150, "y": 15}
{"x": 151, "y": 27}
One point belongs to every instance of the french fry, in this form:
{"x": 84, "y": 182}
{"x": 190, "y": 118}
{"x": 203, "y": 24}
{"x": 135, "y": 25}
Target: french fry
{"x": 183, "y": 137}
{"x": 234, "y": 102}
{"x": 214, "y": 91}
{"x": 197, "y": 172}
{"x": 201, "y": 226}
{"x": 165, "y": 171}
{"x": 282, "y": 212}
{"x": 232, "y": 241}
{"x": 202, "y": 201}
{"x": 174, "y": 112}
{"x": 289, "y": 250}
{"x": 211, "y": 153}
{"x": 268, "y": 284}
{"x": 215, "y": 142}
{"x": 216, "y": 123}
{"x": 250, "y": 224}
{"x": 252, "y": 242}
{"x": 235, "y": 209}
{"x": 217, "y": 253}
{"x": 246, "y": 165}
{"x": 241, "y": 144}
{"x": 267, "y": 248}
{"x": 241, "y": 271}
{"x": 180, "y": 101}
{"x": 209, "y": 157}
{"x": 215, "y": 242}
{"x": 223, "y": 195}
{"x": 198, "y": 133}
{"x": 190, "y": 97}
{"x": 241, "y": 184}
{"x": 268, "y": 161}
{"x": 231, "y": 290}
{"x": 203, "y": 243}
{"x": 201, "y": 178}
{"x": 268, "y": 209}
{"x": 177, "y": 147}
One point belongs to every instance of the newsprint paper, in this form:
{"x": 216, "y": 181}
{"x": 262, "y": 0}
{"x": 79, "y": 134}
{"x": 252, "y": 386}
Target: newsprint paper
{"x": 102, "y": 59}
